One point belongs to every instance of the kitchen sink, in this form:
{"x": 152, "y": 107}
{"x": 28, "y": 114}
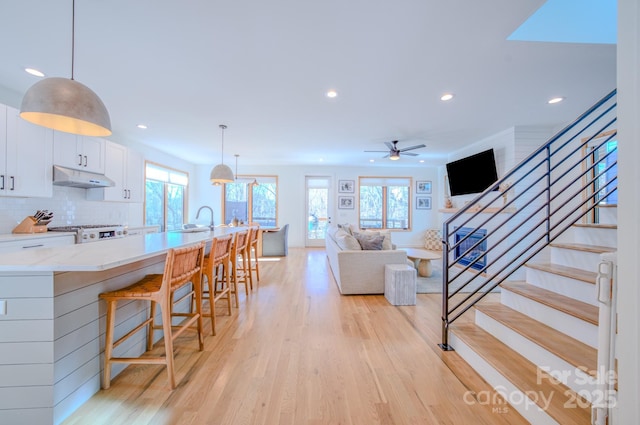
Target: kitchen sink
{"x": 192, "y": 228}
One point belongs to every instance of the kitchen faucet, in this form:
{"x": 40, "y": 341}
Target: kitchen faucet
{"x": 210, "y": 210}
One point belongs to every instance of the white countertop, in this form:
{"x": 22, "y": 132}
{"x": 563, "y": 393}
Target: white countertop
{"x": 102, "y": 255}
{"x": 26, "y": 236}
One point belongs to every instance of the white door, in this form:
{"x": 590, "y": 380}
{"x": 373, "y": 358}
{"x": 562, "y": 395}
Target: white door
{"x": 318, "y": 210}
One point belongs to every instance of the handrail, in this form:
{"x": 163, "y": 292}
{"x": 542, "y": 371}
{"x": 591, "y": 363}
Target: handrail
{"x": 554, "y": 187}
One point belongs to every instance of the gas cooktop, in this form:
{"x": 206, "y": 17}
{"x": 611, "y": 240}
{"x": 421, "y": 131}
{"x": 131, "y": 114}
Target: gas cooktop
{"x": 93, "y": 232}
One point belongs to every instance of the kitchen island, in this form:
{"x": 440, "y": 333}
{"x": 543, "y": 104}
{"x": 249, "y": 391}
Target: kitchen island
{"x": 51, "y": 332}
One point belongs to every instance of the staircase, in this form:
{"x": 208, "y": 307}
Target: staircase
{"x": 538, "y": 346}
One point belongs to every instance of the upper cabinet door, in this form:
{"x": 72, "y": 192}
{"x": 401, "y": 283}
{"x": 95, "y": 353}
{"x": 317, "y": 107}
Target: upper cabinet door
{"x": 29, "y": 158}
{"x": 79, "y": 152}
{"x": 135, "y": 176}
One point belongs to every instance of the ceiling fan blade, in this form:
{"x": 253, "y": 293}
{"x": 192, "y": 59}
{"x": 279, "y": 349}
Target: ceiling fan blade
{"x": 374, "y": 151}
{"x": 413, "y": 147}
{"x": 390, "y": 145}
{"x": 409, "y": 153}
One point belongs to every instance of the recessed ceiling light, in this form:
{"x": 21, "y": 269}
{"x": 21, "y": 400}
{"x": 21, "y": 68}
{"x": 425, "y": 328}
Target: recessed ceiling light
{"x": 372, "y": 160}
{"x": 142, "y": 126}
{"x": 321, "y": 159}
{"x": 555, "y": 100}
{"x": 332, "y": 93}
{"x": 422, "y": 160}
{"x": 446, "y": 96}
{"x": 35, "y": 72}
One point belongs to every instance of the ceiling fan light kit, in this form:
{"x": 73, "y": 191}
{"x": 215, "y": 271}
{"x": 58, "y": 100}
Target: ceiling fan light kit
{"x": 221, "y": 173}
{"x": 65, "y": 104}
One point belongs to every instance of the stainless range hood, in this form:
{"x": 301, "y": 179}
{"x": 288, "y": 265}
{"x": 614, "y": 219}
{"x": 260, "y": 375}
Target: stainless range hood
{"x": 63, "y": 176}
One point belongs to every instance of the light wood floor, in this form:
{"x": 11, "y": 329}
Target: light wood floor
{"x": 297, "y": 352}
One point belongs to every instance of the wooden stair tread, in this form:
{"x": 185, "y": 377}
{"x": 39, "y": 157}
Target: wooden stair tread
{"x": 597, "y": 225}
{"x": 566, "y": 271}
{"x": 584, "y": 247}
{"x": 565, "y": 347}
{"x": 523, "y": 374}
{"x": 571, "y": 306}
{"x": 607, "y": 206}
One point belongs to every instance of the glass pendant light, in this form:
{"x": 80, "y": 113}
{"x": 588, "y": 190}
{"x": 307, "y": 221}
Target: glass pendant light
{"x": 65, "y": 104}
{"x": 221, "y": 173}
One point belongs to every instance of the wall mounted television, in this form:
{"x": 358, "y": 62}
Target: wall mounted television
{"x": 472, "y": 174}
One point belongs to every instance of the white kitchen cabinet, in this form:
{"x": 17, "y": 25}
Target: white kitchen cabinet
{"x": 79, "y": 152}
{"x": 25, "y": 243}
{"x": 126, "y": 168}
{"x": 26, "y": 156}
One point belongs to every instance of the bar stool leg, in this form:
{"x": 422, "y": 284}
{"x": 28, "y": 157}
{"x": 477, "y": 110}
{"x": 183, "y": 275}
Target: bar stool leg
{"x": 168, "y": 340}
{"x": 151, "y": 326}
{"x": 108, "y": 345}
{"x": 197, "y": 287}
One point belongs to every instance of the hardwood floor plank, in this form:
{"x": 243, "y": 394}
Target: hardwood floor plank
{"x": 297, "y": 352}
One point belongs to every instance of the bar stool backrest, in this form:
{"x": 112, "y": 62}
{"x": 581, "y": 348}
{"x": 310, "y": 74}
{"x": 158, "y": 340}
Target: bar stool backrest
{"x": 183, "y": 264}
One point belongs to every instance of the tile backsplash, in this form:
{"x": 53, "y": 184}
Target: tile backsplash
{"x": 69, "y": 206}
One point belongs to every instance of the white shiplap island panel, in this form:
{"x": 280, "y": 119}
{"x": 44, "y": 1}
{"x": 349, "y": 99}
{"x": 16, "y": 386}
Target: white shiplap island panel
{"x": 52, "y": 335}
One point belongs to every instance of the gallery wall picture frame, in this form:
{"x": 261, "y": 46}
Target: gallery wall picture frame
{"x": 423, "y": 186}
{"x": 346, "y": 202}
{"x": 423, "y": 202}
{"x": 346, "y": 186}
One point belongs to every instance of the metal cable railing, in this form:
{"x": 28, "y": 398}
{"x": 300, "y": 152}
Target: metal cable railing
{"x": 488, "y": 240}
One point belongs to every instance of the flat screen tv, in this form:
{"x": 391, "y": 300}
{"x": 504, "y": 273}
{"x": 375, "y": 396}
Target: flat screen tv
{"x": 472, "y": 174}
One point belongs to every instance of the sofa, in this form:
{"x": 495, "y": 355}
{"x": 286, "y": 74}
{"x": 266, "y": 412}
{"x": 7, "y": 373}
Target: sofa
{"x": 358, "y": 271}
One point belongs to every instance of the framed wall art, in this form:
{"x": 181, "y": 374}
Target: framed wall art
{"x": 346, "y": 202}
{"x": 423, "y": 186}
{"x": 346, "y": 186}
{"x": 423, "y": 202}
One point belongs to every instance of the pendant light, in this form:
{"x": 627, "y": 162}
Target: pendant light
{"x": 65, "y": 104}
{"x": 221, "y": 173}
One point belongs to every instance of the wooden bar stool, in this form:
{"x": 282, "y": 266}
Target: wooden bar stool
{"x": 238, "y": 262}
{"x": 253, "y": 247}
{"x": 217, "y": 272}
{"x": 182, "y": 266}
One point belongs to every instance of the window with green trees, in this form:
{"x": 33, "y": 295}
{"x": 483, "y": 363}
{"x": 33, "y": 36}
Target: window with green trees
{"x": 165, "y": 197}
{"x": 252, "y": 199}
{"x": 384, "y": 202}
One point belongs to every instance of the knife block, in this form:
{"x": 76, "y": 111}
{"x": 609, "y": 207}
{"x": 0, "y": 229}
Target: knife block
{"x": 28, "y": 225}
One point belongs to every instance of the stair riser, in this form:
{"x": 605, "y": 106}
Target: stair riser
{"x": 578, "y": 289}
{"x": 595, "y": 236}
{"x": 573, "y": 258}
{"x": 608, "y": 215}
{"x": 527, "y": 408}
{"x": 584, "y": 332}
{"x": 559, "y": 369}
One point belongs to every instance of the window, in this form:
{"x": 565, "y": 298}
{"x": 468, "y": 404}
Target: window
{"x": 165, "y": 197}
{"x": 252, "y": 199}
{"x": 384, "y": 202}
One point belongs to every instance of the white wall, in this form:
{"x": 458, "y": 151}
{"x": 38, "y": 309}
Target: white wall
{"x": 628, "y": 211}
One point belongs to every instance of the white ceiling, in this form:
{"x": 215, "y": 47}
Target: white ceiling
{"x": 263, "y": 68}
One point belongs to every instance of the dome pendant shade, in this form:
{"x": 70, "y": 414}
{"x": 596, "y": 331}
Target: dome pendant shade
{"x": 221, "y": 174}
{"x": 66, "y": 105}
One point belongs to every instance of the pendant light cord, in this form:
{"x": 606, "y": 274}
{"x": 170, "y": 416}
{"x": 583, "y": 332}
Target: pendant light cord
{"x": 73, "y": 34}
{"x": 222, "y": 126}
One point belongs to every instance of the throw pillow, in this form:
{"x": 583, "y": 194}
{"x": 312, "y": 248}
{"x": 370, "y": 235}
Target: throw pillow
{"x": 369, "y": 242}
{"x": 346, "y": 227}
{"x": 386, "y": 243}
{"x": 432, "y": 240}
{"x": 346, "y": 242}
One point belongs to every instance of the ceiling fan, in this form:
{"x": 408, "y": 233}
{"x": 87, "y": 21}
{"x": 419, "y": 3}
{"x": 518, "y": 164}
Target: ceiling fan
{"x": 394, "y": 153}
